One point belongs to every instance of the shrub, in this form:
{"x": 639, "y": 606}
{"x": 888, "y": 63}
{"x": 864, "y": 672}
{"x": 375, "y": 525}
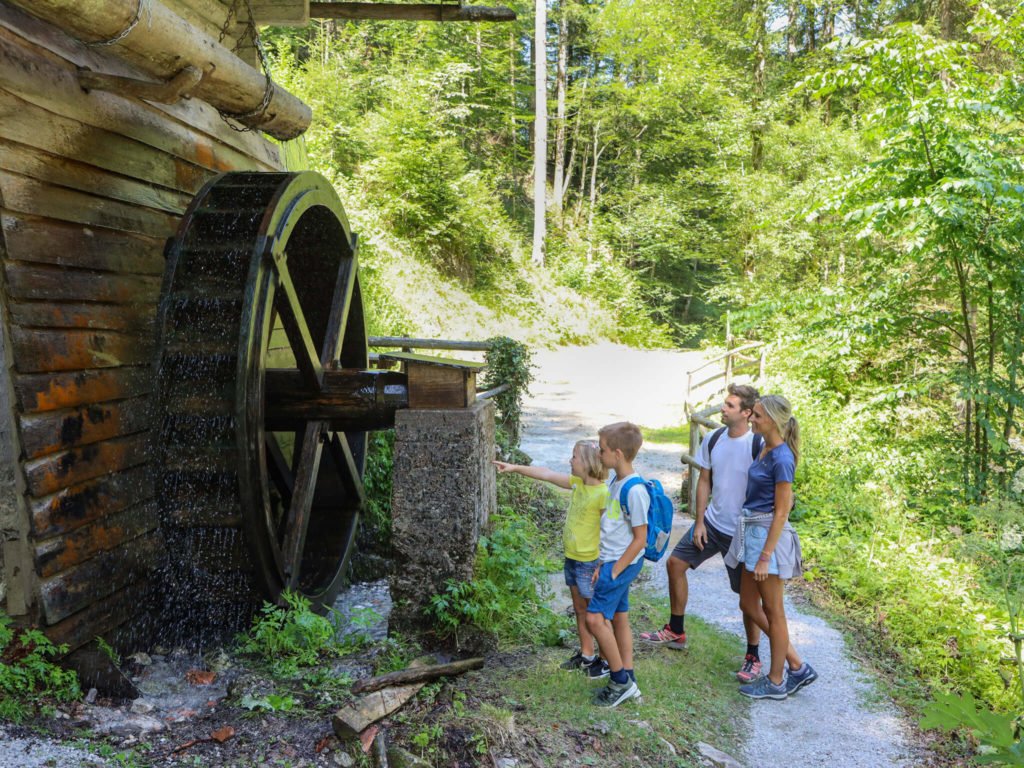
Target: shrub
{"x": 28, "y": 674}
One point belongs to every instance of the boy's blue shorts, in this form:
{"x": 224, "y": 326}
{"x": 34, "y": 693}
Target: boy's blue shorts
{"x": 580, "y": 574}
{"x": 611, "y": 597}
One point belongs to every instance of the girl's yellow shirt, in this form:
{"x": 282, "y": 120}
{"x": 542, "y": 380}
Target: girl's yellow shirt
{"x": 582, "y": 533}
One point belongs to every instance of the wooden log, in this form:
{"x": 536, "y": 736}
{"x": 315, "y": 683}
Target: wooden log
{"x": 108, "y": 317}
{"x": 44, "y": 433}
{"x": 359, "y": 400}
{"x": 47, "y": 54}
{"x": 58, "y": 554}
{"x": 410, "y": 12}
{"x": 417, "y": 675}
{"x": 73, "y": 507}
{"x": 50, "y": 473}
{"x": 33, "y": 240}
{"x": 409, "y": 343}
{"x": 281, "y": 13}
{"x": 76, "y": 588}
{"x": 25, "y": 195}
{"x": 160, "y": 43}
{"x": 353, "y": 719}
{"x": 57, "y": 284}
{"x": 71, "y": 350}
{"x": 101, "y": 616}
{"x": 48, "y": 392}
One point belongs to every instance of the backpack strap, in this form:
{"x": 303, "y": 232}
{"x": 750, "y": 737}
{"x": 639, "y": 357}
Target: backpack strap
{"x": 625, "y": 489}
{"x": 715, "y": 437}
{"x": 755, "y": 446}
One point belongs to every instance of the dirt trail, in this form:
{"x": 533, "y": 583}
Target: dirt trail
{"x": 841, "y": 719}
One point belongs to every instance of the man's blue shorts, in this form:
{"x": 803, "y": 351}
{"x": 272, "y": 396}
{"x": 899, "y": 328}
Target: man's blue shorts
{"x": 580, "y": 574}
{"x": 611, "y": 597}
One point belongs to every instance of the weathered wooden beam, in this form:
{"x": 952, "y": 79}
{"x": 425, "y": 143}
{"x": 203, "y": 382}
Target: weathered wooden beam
{"x": 151, "y": 36}
{"x": 358, "y": 400}
{"x": 404, "y": 342}
{"x": 417, "y": 675}
{"x": 409, "y": 12}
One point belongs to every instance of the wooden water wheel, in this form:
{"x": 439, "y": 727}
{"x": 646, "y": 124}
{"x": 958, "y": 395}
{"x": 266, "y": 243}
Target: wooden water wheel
{"x": 263, "y": 398}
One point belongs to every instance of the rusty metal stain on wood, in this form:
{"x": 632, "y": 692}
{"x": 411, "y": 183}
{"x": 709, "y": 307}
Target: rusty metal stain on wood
{"x": 59, "y": 470}
{"x": 74, "y": 350}
{"x": 48, "y": 432}
{"x": 79, "y": 504}
{"x": 50, "y": 392}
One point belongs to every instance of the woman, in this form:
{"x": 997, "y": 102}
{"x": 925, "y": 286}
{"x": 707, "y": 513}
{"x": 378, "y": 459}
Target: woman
{"x": 768, "y": 547}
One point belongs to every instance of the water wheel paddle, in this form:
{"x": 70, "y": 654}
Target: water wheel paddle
{"x": 260, "y": 493}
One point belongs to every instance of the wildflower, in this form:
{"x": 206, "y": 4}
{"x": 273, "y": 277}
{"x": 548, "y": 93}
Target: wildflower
{"x": 1012, "y": 538}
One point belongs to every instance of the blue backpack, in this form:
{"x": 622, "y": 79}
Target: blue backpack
{"x": 659, "y": 516}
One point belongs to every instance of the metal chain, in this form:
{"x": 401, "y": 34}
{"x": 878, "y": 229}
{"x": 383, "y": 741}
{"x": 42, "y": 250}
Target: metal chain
{"x": 124, "y": 32}
{"x": 252, "y": 33}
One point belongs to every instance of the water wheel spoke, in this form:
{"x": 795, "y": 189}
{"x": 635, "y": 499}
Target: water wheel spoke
{"x": 277, "y": 464}
{"x": 341, "y": 301}
{"x": 348, "y": 470}
{"x": 296, "y": 328}
{"x": 307, "y": 469}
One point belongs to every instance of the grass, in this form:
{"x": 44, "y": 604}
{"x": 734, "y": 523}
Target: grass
{"x": 667, "y": 435}
{"x": 521, "y": 703}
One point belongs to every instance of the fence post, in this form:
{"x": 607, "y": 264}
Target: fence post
{"x": 694, "y": 476}
{"x": 760, "y": 367}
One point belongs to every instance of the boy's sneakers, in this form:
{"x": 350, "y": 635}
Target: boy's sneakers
{"x": 666, "y": 637}
{"x": 614, "y": 693}
{"x": 751, "y": 669}
{"x": 576, "y": 662}
{"x": 764, "y": 688}
{"x": 801, "y": 677}
{"x": 597, "y": 669}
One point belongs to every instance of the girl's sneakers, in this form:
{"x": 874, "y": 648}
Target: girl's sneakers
{"x": 751, "y": 669}
{"x": 666, "y": 637}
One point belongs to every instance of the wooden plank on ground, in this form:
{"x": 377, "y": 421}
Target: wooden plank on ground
{"x": 191, "y": 129}
{"x": 45, "y": 283}
{"x": 76, "y": 588}
{"x": 43, "y": 433}
{"x": 58, "y": 554}
{"x": 36, "y": 351}
{"x": 85, "y": 177}
{"x": 24, "y": 195}
{"x": 48, "y": 392}
{"x": 73, "y": 507}
{"x": 47, "y": 241}
{"x": 50, "y": 473}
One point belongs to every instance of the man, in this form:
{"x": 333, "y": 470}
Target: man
{"x": 725, "y": 456}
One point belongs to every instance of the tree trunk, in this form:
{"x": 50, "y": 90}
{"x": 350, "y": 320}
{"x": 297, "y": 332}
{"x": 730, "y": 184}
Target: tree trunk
{"x": 828, "y": 23}
{"x": 593, "y": 191}
{"x": 760, "y": 53}
{"x": 812, "y": 28}
{"x": 540, "y": 132}
{"x": 792, "y": 32}
{"x": 560, "y": 127}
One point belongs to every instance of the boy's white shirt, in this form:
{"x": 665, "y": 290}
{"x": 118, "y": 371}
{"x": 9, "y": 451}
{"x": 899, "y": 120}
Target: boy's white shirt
{"x": 732, "y": 460}
{"x": 616, "y": 529}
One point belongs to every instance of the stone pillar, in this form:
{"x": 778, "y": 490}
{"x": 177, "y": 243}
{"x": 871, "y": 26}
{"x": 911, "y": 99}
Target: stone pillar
{"x": 444, "y": 492}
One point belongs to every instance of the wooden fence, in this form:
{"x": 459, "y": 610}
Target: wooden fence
{"x": 732, "y": 362}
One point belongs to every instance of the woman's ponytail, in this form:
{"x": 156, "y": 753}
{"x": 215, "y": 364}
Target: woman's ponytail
{"x": 778, "y": 409}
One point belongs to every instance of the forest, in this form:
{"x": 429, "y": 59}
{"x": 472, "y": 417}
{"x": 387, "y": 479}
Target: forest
{"x": 844, "y": 178}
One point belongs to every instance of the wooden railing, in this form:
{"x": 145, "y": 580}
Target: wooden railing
{"x": 733, "y": 362}
{"x": 700, "y": 424}
{"x": 408, "y": 345}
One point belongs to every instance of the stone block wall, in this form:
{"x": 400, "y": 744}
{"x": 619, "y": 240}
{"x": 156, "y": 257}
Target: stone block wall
{"x": 443, "y": 495}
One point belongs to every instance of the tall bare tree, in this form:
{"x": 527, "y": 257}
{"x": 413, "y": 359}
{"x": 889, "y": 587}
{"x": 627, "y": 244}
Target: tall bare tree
{"x": 540, "y": 132}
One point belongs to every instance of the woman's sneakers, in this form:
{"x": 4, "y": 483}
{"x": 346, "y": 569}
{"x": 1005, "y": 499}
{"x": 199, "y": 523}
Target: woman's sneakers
{"x": 751, "y": 669}
{"x": 797, "y": 679}
{"x": 764, "y": 688}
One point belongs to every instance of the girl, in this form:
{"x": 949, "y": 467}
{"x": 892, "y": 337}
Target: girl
{"x": 580, "y": 535}
{"x": 768, "y": 547}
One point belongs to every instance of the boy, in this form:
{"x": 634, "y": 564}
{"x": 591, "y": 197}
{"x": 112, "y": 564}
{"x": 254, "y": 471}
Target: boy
{"x": 623, "y": 539}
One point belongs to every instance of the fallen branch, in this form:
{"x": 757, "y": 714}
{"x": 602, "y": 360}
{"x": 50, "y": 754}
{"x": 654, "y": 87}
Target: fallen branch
{"x": 417, "y": 675}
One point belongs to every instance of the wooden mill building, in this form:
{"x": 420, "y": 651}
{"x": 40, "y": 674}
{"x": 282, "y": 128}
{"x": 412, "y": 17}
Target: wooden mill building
{"x": 114, "y": 114}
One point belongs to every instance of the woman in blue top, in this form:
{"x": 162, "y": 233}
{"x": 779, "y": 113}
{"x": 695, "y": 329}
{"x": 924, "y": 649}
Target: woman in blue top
{"x": 768, "y": 546}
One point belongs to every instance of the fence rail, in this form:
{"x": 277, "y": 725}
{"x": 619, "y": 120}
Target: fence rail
{"x": 734, "y": 361}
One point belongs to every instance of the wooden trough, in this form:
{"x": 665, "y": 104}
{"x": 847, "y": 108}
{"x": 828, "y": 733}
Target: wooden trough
{"x": 184, "y": 367}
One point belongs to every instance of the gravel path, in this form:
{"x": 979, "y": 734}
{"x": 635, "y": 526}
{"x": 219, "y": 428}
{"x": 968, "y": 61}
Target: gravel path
{"x": 840, "y": 720}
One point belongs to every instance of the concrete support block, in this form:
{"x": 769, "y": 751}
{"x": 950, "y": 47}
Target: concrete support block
{"x": 444, "y": 492}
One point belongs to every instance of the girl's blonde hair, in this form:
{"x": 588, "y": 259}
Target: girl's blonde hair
{"x": 778, "y": 409}
{"x": 590, "y": 455}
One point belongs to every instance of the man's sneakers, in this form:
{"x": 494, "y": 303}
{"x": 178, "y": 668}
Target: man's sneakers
{"x": 751, "y": 669}
{"x": 576, "y": 662}
{"x": 614, "y": 693}
{"x": 665, "y": 637}
{"x": 799, "y": 678}
{"x": 597, "y": 669}
{"x": 764, "y": 688}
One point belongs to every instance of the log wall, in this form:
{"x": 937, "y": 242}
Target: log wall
{"x": 91, "y": 185}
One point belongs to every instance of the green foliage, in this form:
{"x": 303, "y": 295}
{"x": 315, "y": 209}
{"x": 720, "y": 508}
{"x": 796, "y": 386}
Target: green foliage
{"x": 287, "y": 637}
{"x": 109, "y": 651}
{"x": 998, "y": 735}
{"x": 508, "y": 362}
{"x": 509, "y": 591}
{"x": 272, "y": 702}
{"x": 28, "y": 674}
{"x": 376, "y": 518}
